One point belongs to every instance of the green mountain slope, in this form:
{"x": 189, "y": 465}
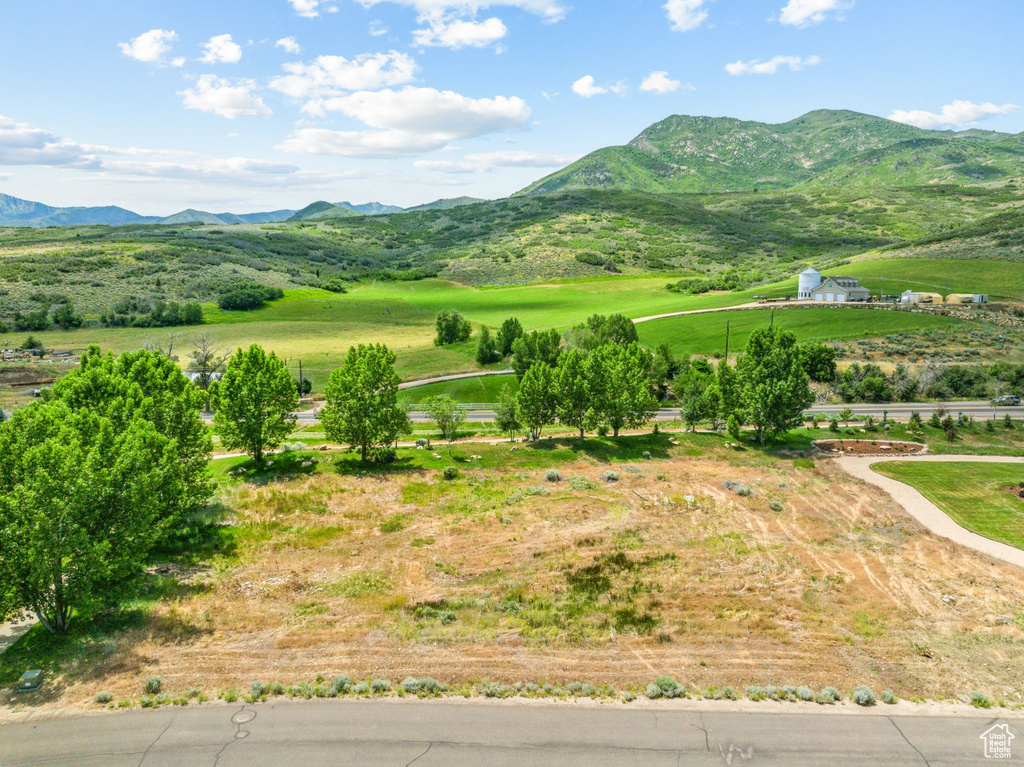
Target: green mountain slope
{"x": 322, "y": 210}
{"x": 447, "y": 204}
{"x": 683, "y": 154}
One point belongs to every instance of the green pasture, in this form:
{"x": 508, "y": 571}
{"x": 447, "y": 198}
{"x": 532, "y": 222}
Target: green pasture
{"x": 975, "y": 495}
{"x": 1000, "y": 279}
{"x": 705, "y": 333}
{"x": 480, "y": 389}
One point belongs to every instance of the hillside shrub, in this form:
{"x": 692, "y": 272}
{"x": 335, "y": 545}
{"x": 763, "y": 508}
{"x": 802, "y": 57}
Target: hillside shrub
{"x": 450, "y": 473}
{"x": 553, "y": 475}
{"x": 863, "y": 696}
{"x": 611, "y": 476}
{"x": 828, "y": 695}
{"x": 888, "y": 696}
{"x": 153, "y": 685}
{"x": 980, "y": 700}
{"x": 103, "y": 698}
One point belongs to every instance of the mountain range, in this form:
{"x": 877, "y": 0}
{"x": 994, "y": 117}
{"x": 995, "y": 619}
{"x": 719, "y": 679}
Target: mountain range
{"x": 17, "y": 212}
{"x": 680, "y": 155}
{"x": 683, "y": 154}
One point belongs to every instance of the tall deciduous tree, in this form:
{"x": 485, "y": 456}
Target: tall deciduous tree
{"x": 506, "y": 412}
{"x": 774, "y": 388}
{"x": 81, "y": 504}
{"x": 621, "y": 385}
{"x": 146, "y": 384}
{"x": 447, "y": 416}
{"x": 486, "y": 348}
{"x": 536, "y": 400}
{"x": 511, "y": 329}
{"x": 572, "y": 391}
{"x": 253, "y": 402}
{"x": 452, "y": 327}
{"x": 362, "y": 400}
{"x": 538, "y": 346}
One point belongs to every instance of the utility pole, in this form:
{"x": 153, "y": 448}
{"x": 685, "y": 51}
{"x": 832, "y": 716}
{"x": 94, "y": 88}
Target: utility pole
{"x": 773, "y": 318}
{"x": 727, "y": 328}
{"x": 301, "y": 380}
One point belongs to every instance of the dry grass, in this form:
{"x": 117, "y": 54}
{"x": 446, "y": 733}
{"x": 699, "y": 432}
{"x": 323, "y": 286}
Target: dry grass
{"x": 617, "y": 583}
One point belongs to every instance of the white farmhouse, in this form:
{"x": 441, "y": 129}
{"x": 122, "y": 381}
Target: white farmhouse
{"x": 814, "y": 287}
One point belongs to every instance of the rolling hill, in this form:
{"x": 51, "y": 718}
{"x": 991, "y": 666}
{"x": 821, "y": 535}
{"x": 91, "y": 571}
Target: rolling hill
{"x": 683, "y": 154}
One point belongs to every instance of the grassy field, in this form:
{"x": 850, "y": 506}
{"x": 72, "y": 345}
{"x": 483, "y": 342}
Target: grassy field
{"x": 320, "y": 566}
{"x": 483, "y": 389}
{"x": 1000, "y": 279}
{"x": 975, "y": 495}
{"x": 317, "y": 327}
{"x": 705, "y": 333}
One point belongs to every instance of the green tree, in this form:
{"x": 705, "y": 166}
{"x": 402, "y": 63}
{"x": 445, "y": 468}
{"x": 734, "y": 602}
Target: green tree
{"x": 452, "y": 327}
{"x": 536, "y": 400}
{"x": 447, "y": 416}
{"x": 819, "y": 362}
{"x": 572, "y": 391}
{"x": 147, "y": 385}
{"x": 362, "y": 400}
{"x": 915, "y": 423}
{"x": 192, "y": 314}
{"x": 510, "y": 330}
{"x": 728, "y": 386}
{"x": 253, "y": 402}
{"x": 506, "y": 412}
{"x": 691, "y": 389}
{"x": 612, "y": 329}
{"x": 949, "y": 429}
{"x": 537, "y": 346}
{"x": 775, "y": 389}
{"x": 81, "y": 505}
{"x": 65, "y": 317}
{"x": 621, "y": 389}
{"x": 206, "y": 363}
{"x": 486, "y": 348}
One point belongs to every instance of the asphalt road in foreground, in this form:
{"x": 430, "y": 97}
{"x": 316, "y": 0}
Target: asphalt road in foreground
{"x": 382, "y": 734}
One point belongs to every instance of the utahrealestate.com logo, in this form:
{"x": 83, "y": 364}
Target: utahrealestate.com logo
{"x": 997, "y": 740}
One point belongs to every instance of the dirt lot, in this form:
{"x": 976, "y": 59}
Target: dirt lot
{"x": 811, "y": 578}
{"x": 869, "y": 447}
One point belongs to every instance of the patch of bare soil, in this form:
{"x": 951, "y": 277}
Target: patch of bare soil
{"x": 868, "y": 447}
{"x": 811, "y": 577}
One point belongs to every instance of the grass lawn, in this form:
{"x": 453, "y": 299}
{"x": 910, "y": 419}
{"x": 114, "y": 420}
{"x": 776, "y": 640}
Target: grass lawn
{"x": 482, "y": 389}
{"x": 705, "y": 333}
{"x": 1000, "y": 279}
{"x": 973, "y": 494}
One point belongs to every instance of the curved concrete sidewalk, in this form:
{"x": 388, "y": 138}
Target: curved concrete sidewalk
{"x": 453, "y": 377}
{"x": 926, "y": 512}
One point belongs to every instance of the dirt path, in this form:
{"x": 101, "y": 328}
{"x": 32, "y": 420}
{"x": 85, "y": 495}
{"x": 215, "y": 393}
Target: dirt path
{"x": 751, "y": 305}
{"x": 454, "y": 377}
{"x": 926, "y": 512}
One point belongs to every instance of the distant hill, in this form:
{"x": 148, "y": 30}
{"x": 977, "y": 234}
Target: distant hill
{"x": 371, "y": 208}
{"x": 684, "y": 154}
{"x": 17, "y": 212}
{"x": 454, "y": 202}
{"x": 321, "y": 209}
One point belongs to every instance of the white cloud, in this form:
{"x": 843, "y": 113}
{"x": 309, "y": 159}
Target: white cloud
{"x": 329, "y": 75}
{"x": 408, "y": 122}
{"x": 289, "y": 44}
{"x": 955, "y": 115}
{"x": 220, "y": 49}
{"x": 804, "y": 13}
{"x": 659, "y": 82}
{"x": 587, "y": 88}
{"x": 220, "y": 96}
{"x": 178, "y": 62}
{"x": 770, "y": 67}
{"x": 686, "y": 14}
{"x": 150, "y": 47}
{"x": 309, "y": 9}
{"x": 21, "y": 144}
{"x": 460, "y": 33}
{"x": 550, "y": 10}
{"x": 487, "y": 161}
{"x": 377, "y": 28}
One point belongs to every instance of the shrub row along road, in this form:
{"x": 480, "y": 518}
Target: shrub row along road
{"x": 397, "y": 733}
{"x": 895, "y": 411}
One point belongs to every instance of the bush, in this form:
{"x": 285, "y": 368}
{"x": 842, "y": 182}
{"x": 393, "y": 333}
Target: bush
{"x": 980, "y": 700}
{"x": 258, "y": 689}
{"x": 385, "y": 455}
{"x": 193, "y": 692}
{"x": 450, "y": 473}
{"x": 153, "y": 685}
{"x": 669, "y": 688}
{"x": 380, "y": 686}
{"x": 581, "y": 483}
{"x": 805, "y": 693}
{"x": 726, "y": 693}
{"x": 302, "y": 690}
{"x": 828, "y": 695}
{"x": 147, "y": 701}
{"x": 341, "y": 685}
{"x": 888, "y": 696}
{"x": 611, "y": 476}
{"x": 863, "y": 696}
{"x": 775, "y": 506}
{"x": 422, "y": 442}
{"x": 553, "y": 475}
{"x": 424, "y": 686}
{"x": 647, "y": 455}
{"x": 103, "y": 698}
{"x": 361, "y": 689}
{"x": 756, "y": 693}
{"x": 229, "y": 696}
{"x": 653, "y": 691}
{"x": 574, "y": 688}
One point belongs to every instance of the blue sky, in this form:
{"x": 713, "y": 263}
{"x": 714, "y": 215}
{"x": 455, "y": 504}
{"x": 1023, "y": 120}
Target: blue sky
{"x": 248, "y": 105}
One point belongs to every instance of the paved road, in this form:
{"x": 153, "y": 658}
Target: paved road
{"x": 386, "y": 734}
{"x": 926, "y": 512}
